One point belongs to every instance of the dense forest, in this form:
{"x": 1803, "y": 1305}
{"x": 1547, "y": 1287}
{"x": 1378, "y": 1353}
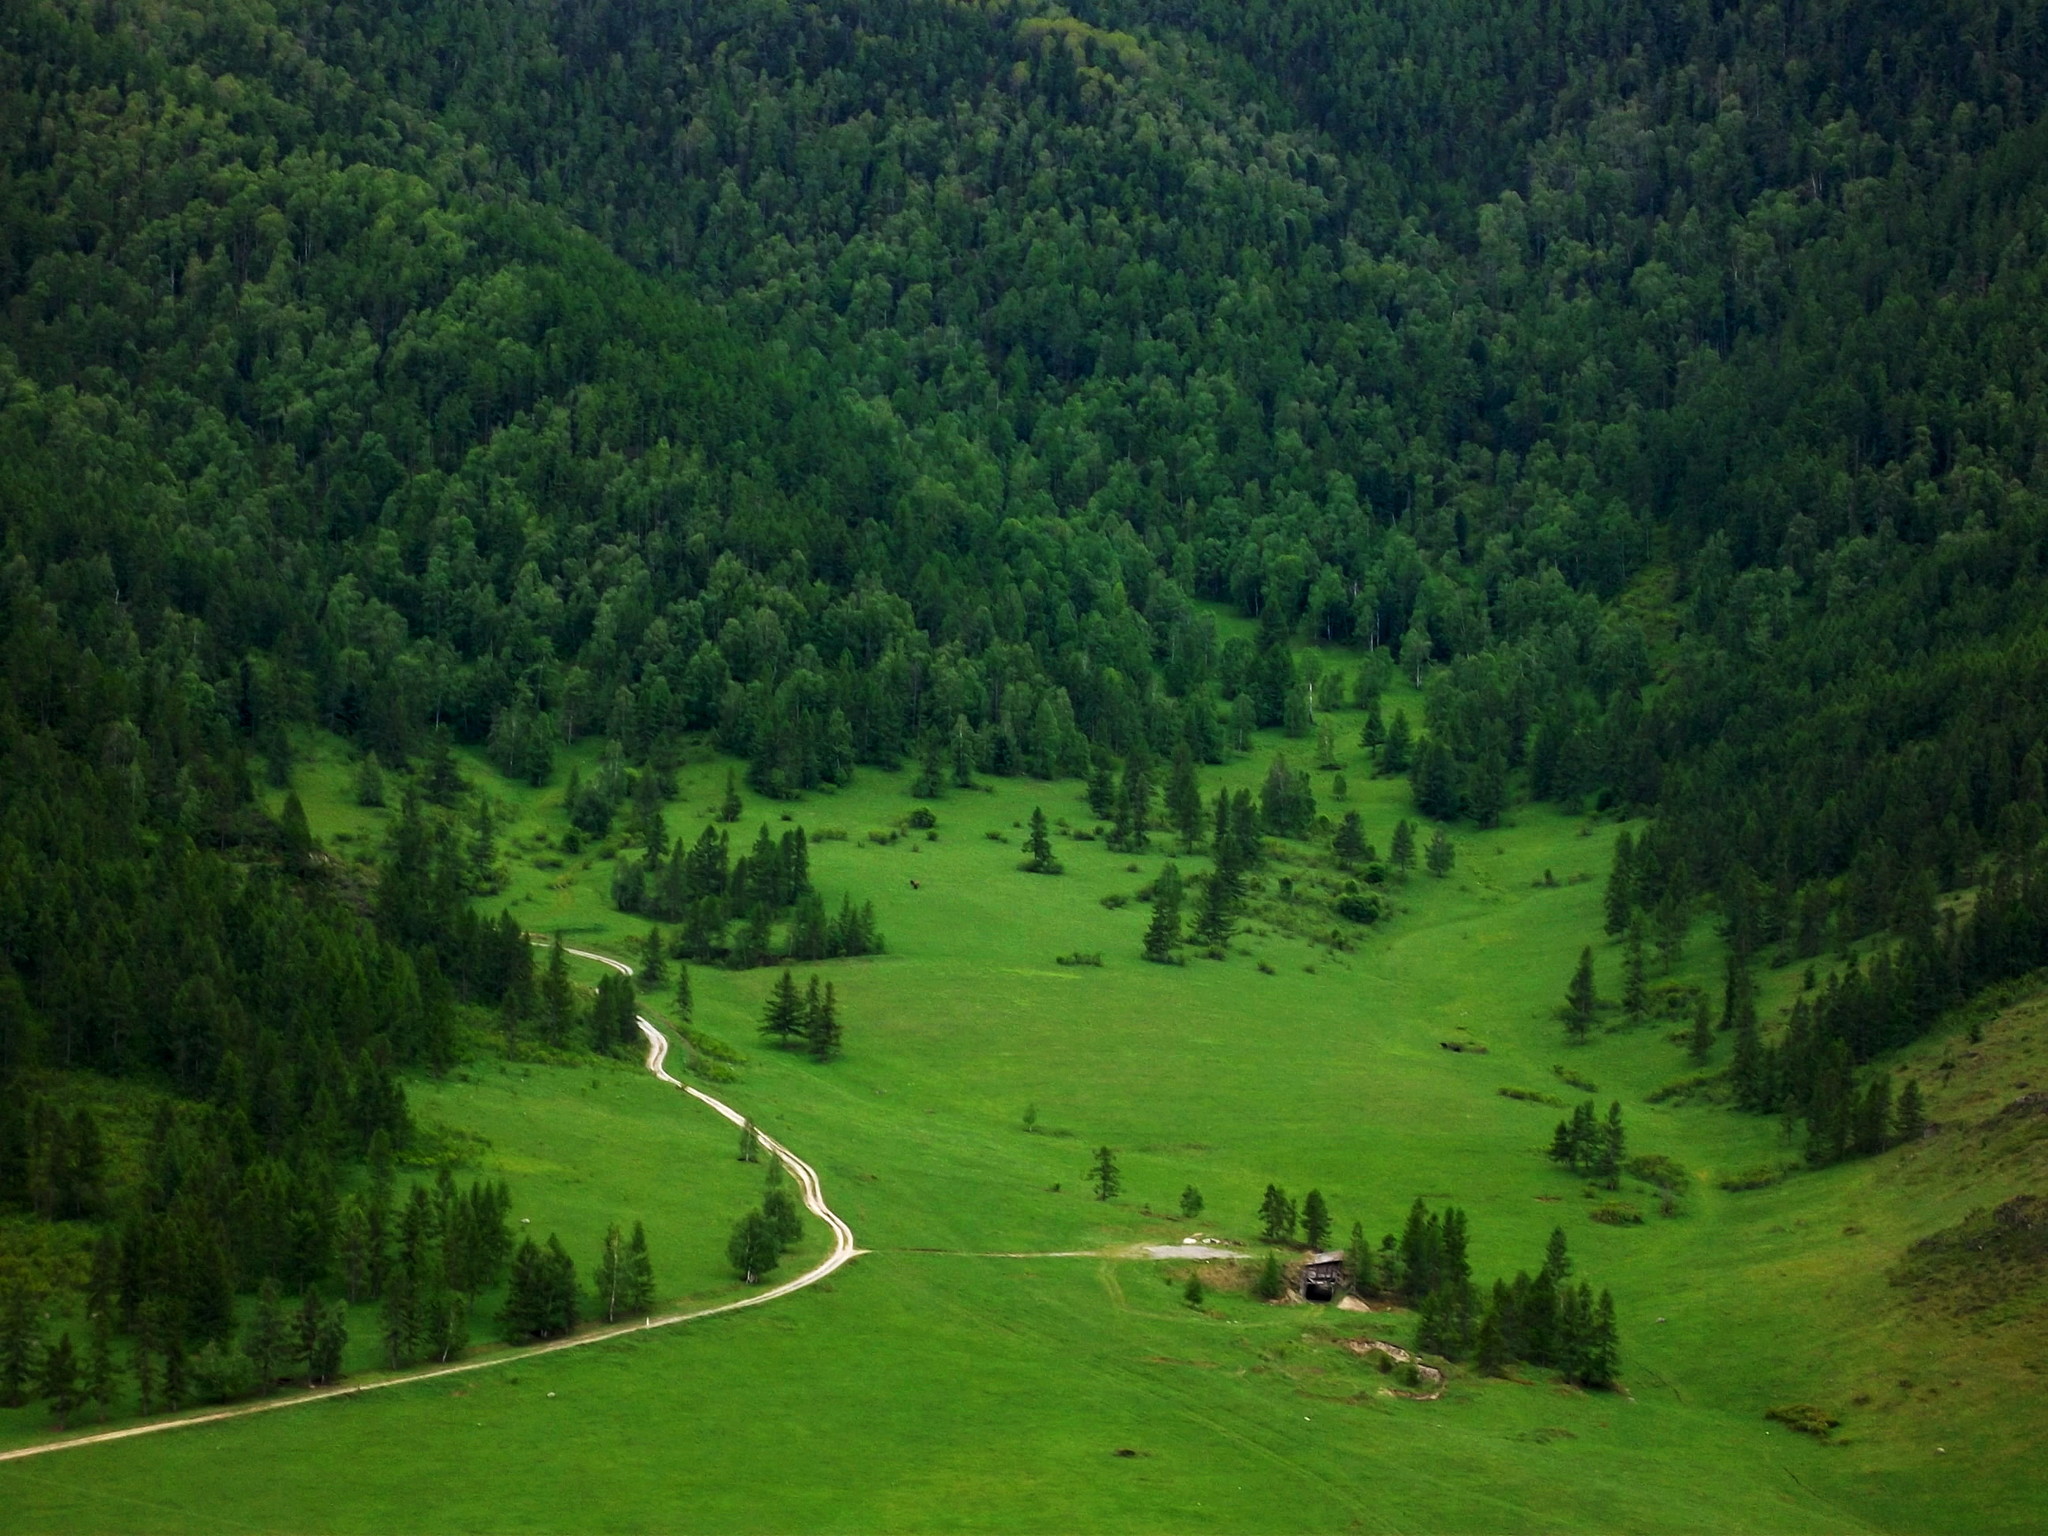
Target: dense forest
{"x": 1657, "y": 386}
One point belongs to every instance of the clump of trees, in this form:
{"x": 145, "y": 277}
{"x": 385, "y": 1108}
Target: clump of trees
{"x": 761, "y": 1237}
{"x": 805, "y": 1021}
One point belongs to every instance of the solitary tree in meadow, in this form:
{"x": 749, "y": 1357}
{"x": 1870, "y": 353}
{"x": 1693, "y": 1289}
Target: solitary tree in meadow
{"x": 1103, "y": 1172}
{"x": 1191, "y": 1202}
{"x": 1580, "y": 999}
{"x": 752, "y": 1250}
{"x": 782, "y": 1016}
{"x": 1402, "y": 849}
{"x": 1443, "y": 854}
{"x": 1038, "y": 844}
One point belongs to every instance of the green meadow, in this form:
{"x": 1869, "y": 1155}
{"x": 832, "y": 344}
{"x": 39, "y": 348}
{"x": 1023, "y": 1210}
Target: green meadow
{"x": 939, "y": 1384}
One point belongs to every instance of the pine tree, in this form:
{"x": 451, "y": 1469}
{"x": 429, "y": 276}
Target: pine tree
{"x": 639, "y": 1272}
{"x": 369, "y": 781}
{"x": 1557, "y": 1260}
{"x": 1038, "y": 844}
{"x": 1621, "y": 898}
{"x": 557, "y": 999}
{"x": 1909, "y": 1120}
{"x": 58, "y": 1383}
{"x": 305, "y": 1333}
{"x": 1580, "y": 999}
{"x": 265, "y": 1341}
{"x": 19, "y": 1345}
{"x": 1220, "y": 896}
{"x": 1398, "y": 748}
{"x": 1191, "y": 1202}
{"x": 1277, "y": 1216}
{"x": 1612, "y": 1147}
{"x": 1492, "y": 1354}
{"x": 966, "y": 752}
{"x": 750, "y": 1142}
{"x": 653, "y": 961}
{"x": 332, "y": 1341}
{"x": 1700, "y": 1045}
{"x": 1402, "y": 850}
{"x": 1358, "y": 1258}
{"x": 752, "y": 1249}
{"x": 1162, "y": 934}
{"x": 1349, "y": 843}
{"x": 825, "y": 1033}
{"x": 1192, "y": 1292}
{"x": 1103, "y": 1174}
{"x": 1184, "y": 799}
{"x": 730, "y": 807}
{"x": 1635, "y": 1000}
{"x": 782, "y": 1017}
{"x": 1315, "y": 1220}
{"x": 930, "y": 783}
{"x": 99, "y": 1365}
{"x": 1443, "y": 854}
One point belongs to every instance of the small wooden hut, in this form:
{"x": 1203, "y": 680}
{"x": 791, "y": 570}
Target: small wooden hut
{"x": 1322, "y": 1276}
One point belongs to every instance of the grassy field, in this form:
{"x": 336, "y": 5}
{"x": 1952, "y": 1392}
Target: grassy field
{"x": 931, "y": 1387}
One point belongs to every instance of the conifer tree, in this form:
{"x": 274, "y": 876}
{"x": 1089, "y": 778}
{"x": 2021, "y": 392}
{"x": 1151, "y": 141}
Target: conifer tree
{"x": 1191, "y": 1202}
{"x": 1277, "y": 1216}
{"x": 99, "y": 1365}
{"x": 824, "y": 1031}
{"x": 305, "y": 1332}
{"x": 1580, "y": 999}
{"x": 750, "y": 1142}
{"x": 1184, "y": 799}
{"x": 1612, "y": 1147}
{"x": 1315, "y": 1220}
{"x": 1401, "y": 851}
{"x": 1443, "y": 854}
{"x": 1635, "y": 998}
{"x": 1038, "y": 845}
{"x": 1397, "y": 750}
{"x": 58, "y": 1382}
{"x": 1192, "y": 1292}
{"x": 332, "y": 1341}
{"x": 1620, "y": 899}
{"x": 1104, "y": 1175}
{"x": 1909, "y": 1119}
{"x": 639, "y": 1272}
{"x": 1162, "y": 934}
{"x": 1700, "y": 1045}
{"x": 1349, "y": 843}
{"x": 557, "y": 999}
{"x": 782, "y": 1017}
{"x": 930, "y": 782}
{"x": 653, "y": 961}
{"x": 266, "y": 1339}
{"x": 730, "y": 807}
{"x": 1358, "y": 1258}
{"x": 685, "y": 1005}
{"x": 19, "y": 1345}
{"x": 1557, "y": 1260}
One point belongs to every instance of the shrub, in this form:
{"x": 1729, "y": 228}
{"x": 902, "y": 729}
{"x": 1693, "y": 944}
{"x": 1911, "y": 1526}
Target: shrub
{"x": 1361, "y": 908}
{"x": 1617, "y": 1213}
{"x": 1761, "y": 1176}
{"x": 1805, "y": 1418}
{"x": 1655, "y": 1168}
{"x": 1116, "y": 899}
{"x": 922, "y": 818}
{"x": 1078, "y": 958}
{"x": 1531, "y": 1096}
{"x": 1575, "y": 1080}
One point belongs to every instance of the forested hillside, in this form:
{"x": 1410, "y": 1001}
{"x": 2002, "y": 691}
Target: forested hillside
{"x": 1659, "y": 386}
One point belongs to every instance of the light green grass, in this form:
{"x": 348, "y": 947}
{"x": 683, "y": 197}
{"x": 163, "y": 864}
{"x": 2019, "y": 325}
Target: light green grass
{"x": 928, "y": 1390}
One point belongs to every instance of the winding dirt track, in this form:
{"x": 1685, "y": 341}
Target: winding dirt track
{"x": 842, "y": 1251}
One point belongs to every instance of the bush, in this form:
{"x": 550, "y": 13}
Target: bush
{"x": 1617, "y": 1213}
{"x": 1078, "y": 958}
{"x": 922, "y": 819}
{"x": 1761, "y": 1176}
{"x": 1271, "y": 1283}
{"x": 1655, "y": 1168}
{"x": 1805, "y": 1418}
{"x": 1116, "y": 899}
{"x": 1531, "y": 1096}
{"x": 1361, "y": 908}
